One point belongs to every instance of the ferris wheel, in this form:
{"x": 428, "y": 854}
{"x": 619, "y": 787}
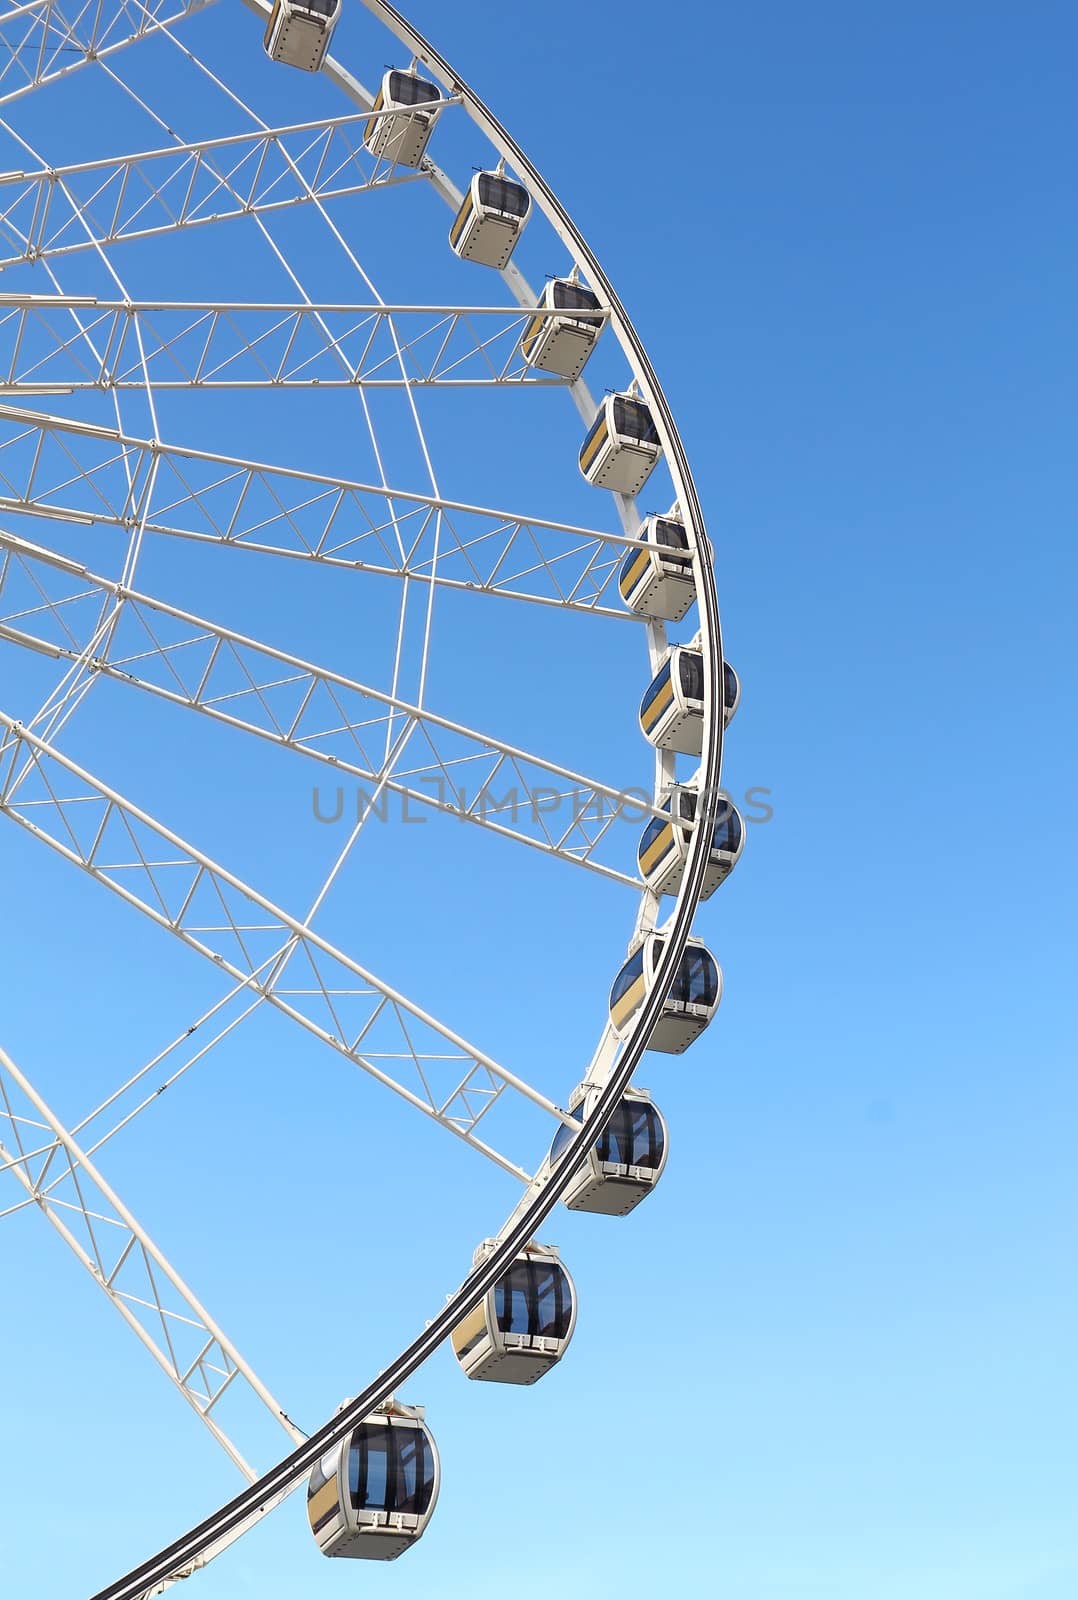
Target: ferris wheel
{"x": 289, "y": 321}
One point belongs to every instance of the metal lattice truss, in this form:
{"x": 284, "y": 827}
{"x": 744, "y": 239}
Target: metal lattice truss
{"x": 275, "y": 955}
{"x": 83, "y": 474}
{"x": 61, "y": 1180}
{"x": 68, "y": 345}
{"x": 50, "y": 213}
{"x": 54, "y": 607}
{"x": 46, "y": 40}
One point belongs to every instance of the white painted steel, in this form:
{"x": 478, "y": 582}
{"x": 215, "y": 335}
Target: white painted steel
{"x": 209, "y": 1368}
{"x": 611, "y": 1069}
{"x": 24, "y": 756}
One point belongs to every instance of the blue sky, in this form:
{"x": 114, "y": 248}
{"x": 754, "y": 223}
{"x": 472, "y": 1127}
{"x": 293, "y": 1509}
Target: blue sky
{"x": 832, "y": 1357}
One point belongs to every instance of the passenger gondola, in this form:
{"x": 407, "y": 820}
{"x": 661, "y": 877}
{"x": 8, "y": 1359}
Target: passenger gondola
{"x": 414, "y": 104}
{"x": 371, "y": 1497}
{"x": 690, "y": 1004}
{"x": 491, "y": 219}
{"x": 672, "y": 710}
{"x": 664, "y": 843}
{"x": 299, "y": 31}
{"x": 657, "y": 580}
{"x": 562, "y": 341}
{"x": 523, "y": 1325}
{"x": 622, "y": 445}
{"x": 625, "y": 1163}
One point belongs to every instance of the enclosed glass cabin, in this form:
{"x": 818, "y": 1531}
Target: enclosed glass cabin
{"x": 672, "y": 710}
{"x": 657, "y": 580}
{"x": 622, "y": 445}
{"x": 371, "y": 1497}
{"x": 664, "y": 843}
{"x": 624, "y": 1164}
{"x": 299, "y": 31}
{"x": 409, "y": 107}
{"x": 522, "y": 1326}
{"x": 691, "y": 1002}
{"x": 490, "y": 220}
{"x": 562, "y": 340}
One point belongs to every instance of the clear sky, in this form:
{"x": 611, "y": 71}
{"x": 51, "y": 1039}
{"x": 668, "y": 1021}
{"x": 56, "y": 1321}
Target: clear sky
{"x": 833, "y": 1357}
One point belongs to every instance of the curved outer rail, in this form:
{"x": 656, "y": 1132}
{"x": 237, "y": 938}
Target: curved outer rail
{"x": 214, "y": 1534}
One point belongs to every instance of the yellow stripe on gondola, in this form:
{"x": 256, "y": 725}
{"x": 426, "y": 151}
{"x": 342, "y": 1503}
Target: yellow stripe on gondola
{"x": 593, "y": 444}
{"x": 651, "y": 713}
{"x": 660, "y": 846}
{"x": 531, "y": 334}
{"x": 472, "y": 1328}
{"x": 463, "y": 216}
{"x": 270, "y": 25}
{"x": 370, "y": 127}
{"x": 630, "y": 1001}
{"x": 319, "y": 1505}
{"x": 630, "y": 576}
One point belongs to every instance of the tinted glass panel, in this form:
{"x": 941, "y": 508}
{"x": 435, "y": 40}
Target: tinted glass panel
{"x": 405, "y": 90}
{"x": 572, "y": 296}
{"x": 671, "y": 533}
{"x": 727, "y": 835}
{"x": 697, "y": 981}
{"x": 729, "y": 684}
{"x": 632, "y": 420}
{"x": 373, "y": 1486}
{"x": 548, "y": 1301}
{"x": 321, "y": 8}
{"x": 564, "y": 1134}
{"x": 390, "y": 1469}
{"x": 634, "y": 1136}
{"x": 627, "y": 976}
{"x": 534, "y": 1298}
{"x": 650, "y": 834}
{"x": 409, "y": 1468}
{"x": 691, "y": 674}
{"x": 503, "y": 194}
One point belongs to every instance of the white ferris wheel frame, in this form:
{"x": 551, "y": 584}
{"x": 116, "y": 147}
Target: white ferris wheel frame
{"x": 456, "y": 346}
